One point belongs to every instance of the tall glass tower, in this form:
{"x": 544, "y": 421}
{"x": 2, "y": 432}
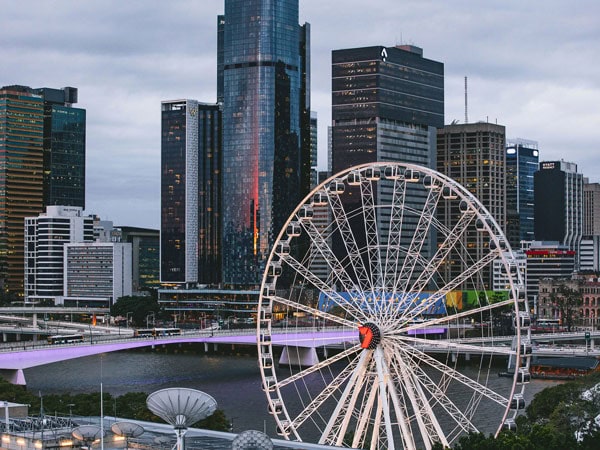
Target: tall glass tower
{"x": 263, "y": 78}
{"x": 64, "y": 148}
{"x": 522, "y": 161}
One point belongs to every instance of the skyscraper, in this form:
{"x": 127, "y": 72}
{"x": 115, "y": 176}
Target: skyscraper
{"x": 145, "y": 258}
{"x": 473, "y": 154}
{"x": 522, "y": 161}
{"x": 386, "y": 105}
{"x": 21, "y": 177}
{"x": 190, "y": 193}
{"x": 64, "y": 148}
{"x": 559, "y": 203}
{"x": 263, "y": 80}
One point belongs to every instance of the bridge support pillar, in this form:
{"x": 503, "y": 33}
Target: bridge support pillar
{"x": 298, "y": 357}
{"x": 325, "y": 352}
{"x": 467, "y": 357}
{"x": 592, "y": 344}
{"x": 454, "y": 356}
{"x": 13, "y": 376}
{"x": 206, "y": 347}
{"x": 4, "y": 337}
{"x": 34, "y": 320}
{"x": 215, "y": 347}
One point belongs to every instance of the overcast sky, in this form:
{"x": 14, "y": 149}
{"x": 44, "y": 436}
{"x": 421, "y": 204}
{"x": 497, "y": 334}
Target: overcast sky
{"x": 532, "y": 66}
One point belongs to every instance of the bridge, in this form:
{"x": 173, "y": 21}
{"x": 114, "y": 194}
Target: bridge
{"x": 17, "y": 356}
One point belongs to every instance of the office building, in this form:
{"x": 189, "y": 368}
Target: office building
{"x": 500, "y": 279}
{"x": 522, "y": 161}
{"x": 42, "y": 142}
{"x": 21, "y": 177}
{"x": 473, "y": 154}
{"x": 263, "y": 81}
{"x": 591, "y": 208}
{"x": 45, "y": 237}
{"x": 589, "y": 254}
{"x": 97, "y": 273}
{"x": 559, "y": 203}
{"x": 145, "y": 257}
{"x": 387, "y": 103}
{"x": 314, "y": 174}
{"x": 64, "y": 148}
{"x": 547, "y": 260}
{"x": 190, "y": 192}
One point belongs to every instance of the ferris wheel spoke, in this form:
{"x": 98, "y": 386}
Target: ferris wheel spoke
{"x": 427, "y": 424}
{"x": 394, "y": 237}
{"x": 371, "y": 234}
{"x": 450, "y": 286}
{"x": 332, "y": 295}
{"x": 451, "y": 318}
{"x": 314, "y": 406}
{"x": 419, "y": 238}
{"x": 313, "y": 311}
{"x": 422, "y": 382}
{"x": 364, "y": 416}
{"x": 455, "y": 346}
{"x": 463, "y": 379}
{"x": 325, "y": 363}
{"x": 383, "y": 374}
{"x": 354, "y": 254}
{"x": 444, "y": 250}
{"x": 356, "y": 379}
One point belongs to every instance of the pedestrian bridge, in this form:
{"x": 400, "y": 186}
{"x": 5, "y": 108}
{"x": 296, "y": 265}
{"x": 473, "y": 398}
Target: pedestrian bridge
{"x": 15, "y": 357}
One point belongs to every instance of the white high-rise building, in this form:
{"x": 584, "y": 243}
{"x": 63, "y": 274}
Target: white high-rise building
{"x": 97, "y": 274}
{"x": 45, "y": 237}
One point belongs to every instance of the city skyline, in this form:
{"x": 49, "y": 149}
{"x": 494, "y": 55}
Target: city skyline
{"x": 530, "y": 70}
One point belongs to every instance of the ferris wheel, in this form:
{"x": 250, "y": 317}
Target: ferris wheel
{"x": 377, "y": 326}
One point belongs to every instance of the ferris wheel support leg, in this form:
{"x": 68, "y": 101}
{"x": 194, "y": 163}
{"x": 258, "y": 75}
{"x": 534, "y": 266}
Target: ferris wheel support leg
{"x": 383, "y": 376}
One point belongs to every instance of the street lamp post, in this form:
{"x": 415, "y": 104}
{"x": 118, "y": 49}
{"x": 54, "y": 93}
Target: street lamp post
{"x": 153, "y": 318}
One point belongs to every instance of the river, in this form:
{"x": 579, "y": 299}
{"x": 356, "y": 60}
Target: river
{"x": 233, "y": 380}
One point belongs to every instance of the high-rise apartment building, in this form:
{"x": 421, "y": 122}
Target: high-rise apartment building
{"x": 522, "y": 161}
{"x": 387, "y": 103}
{"x": 21, "y": 177}
{"x": 45, "y": 237}
{"x": 559, "y": 203}
{"x": 474, "y": 155}
{"x": 263, "y": 81}
{"x": 190, "y": 192}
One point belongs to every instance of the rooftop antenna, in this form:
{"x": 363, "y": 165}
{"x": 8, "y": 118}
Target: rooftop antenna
{"x": 466, "y": 104}
{"x": 181, "y": 407}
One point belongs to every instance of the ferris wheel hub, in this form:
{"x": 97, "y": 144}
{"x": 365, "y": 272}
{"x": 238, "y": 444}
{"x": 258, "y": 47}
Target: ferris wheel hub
{"x": 369, "y": 335}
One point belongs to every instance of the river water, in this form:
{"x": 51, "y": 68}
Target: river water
{"x": 232, "y": 379}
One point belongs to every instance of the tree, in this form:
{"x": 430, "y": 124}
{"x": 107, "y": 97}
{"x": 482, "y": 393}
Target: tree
{"x": 139, "y": 307}
{"x": 568, "y": 301}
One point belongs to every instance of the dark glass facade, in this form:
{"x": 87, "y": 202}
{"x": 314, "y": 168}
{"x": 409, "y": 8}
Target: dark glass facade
{"x": 145, "y": 258}
{"x": 190, "y": 192}
{"x": 64, "y": 148}
{"x": 385, "y": 100}
{"x": 522, "y": 161}
{"x": 21, "y": 170}
{"x": 558, "y": 209}
{"x": 264, "y": 73}
{"x": 209, "y": 193}
{"x": 174, "y": 176}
